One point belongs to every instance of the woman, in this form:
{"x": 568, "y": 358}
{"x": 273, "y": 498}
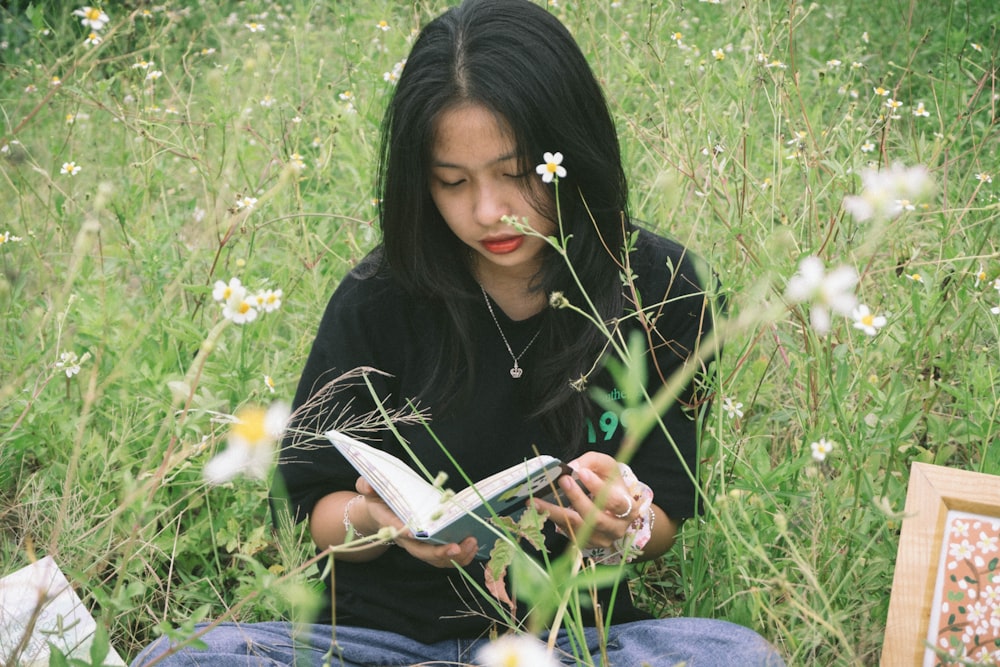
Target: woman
{"x": 451, "y": 318}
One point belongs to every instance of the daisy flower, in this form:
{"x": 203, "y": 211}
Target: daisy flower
{"x": 239, "y": 307}
{"x": 92, "y": 17}
{"x": 245, "y": 203}
{"x": 821, "y": 449}
{"x": 249, "y": 445}
{"x": 222, "y": 291}
{"x": 269, "y": 300}
{"x": 867, "y": 321}
{"x": 269, "y": 383}
{"x": 7, "y": 237}
{"x": 883, "y": 190}
{"x": 515, "y": 651}
{"x": 552, "y": 167}
{"x": 732, "y": 410}
{"x": 382, "y": 25}
{"x": 254, "y": 26}
{"x": 825, "y": 292}
{"x": 93, "y": 39}
{"x": 70, "y": 363}
{"x": 921, "y": 110}
{"x": 984, "y": 177}
{"x": 71, "y": 168}
{"x": 980, "y": 276}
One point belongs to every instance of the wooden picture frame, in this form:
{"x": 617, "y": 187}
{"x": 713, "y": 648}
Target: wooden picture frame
{"x": 938, "y": 498}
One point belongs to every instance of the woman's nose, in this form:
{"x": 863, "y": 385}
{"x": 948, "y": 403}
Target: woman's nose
{"x": 492, "y": 203}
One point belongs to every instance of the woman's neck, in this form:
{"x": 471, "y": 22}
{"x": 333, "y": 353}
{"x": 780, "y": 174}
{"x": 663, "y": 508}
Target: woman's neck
{"x": 513, "y": 295}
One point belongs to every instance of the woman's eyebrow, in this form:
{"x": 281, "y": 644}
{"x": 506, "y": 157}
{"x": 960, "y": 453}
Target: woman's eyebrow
{"x": 450, "y": 165}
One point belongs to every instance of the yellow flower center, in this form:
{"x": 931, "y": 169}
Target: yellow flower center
{"x": 244, "y": 307}
{"x": 250, "y": 425}
{"x": 551, "y": 167}
{"x": 868, "y": 320}
{"x": 93, "y": 14}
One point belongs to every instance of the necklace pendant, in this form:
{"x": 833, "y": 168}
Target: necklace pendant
{"x": 516, "y": 372}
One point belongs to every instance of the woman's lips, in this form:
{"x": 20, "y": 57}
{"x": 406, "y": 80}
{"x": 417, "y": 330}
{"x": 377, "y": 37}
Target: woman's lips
{"x": 502, "y": 246}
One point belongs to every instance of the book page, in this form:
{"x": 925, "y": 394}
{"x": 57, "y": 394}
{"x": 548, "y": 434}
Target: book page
{"x": 501, "y": 491}
{"x": 412, "y": 498}
{"x": 41, "y": 592}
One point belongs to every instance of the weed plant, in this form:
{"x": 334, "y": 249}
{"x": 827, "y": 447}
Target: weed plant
{"x": 182, "y": 144}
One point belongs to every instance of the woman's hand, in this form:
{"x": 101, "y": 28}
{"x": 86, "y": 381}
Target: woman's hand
{"x": 604, "y": 500}
{"x": 438, "y": 555}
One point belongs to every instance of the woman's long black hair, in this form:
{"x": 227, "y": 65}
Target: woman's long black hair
{"x": 515, "y": 59}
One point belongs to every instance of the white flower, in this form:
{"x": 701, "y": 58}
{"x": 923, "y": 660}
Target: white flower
{"x": 92, "y": 17}
{"x": 239, "y": 307}
{"x": 71, "y": 168}
{"x": 70, "y": 363}
{"x": 254, "y": 27}
{"x": 222, "y": 291}
{"x": 733, "y": 410}
{"x": 268, "y": 300}
{"x": 882, "y": 191}
{"x": 515, "y": 651}
{"x": 250, "y": 444}
{"x": 821, "y": 449}
{"x": 867, "y": 321}
{"x": 245, "y": 203}
{"x": 824, "y": 291}
{"x": 552, "y": 167}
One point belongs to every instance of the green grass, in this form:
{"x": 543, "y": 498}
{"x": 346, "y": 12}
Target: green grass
{"x": 746, "y": 159}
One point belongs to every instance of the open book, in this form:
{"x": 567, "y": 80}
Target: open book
{"x": 436, "y": 515}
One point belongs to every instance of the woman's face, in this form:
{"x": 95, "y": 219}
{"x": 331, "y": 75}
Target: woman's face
{"x": 474, "y": 181}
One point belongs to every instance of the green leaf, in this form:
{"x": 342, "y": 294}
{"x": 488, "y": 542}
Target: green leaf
{"x": 36, "y": 16}
{"x": 99, "y": 646}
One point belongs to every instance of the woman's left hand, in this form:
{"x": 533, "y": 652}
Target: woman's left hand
{"x": 606, "y": 499}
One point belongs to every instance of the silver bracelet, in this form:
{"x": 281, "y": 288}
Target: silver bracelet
{"x": 348, "y": 526}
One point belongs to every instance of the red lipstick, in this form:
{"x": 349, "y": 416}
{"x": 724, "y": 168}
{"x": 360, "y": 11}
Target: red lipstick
{"x": 503, "y": 245}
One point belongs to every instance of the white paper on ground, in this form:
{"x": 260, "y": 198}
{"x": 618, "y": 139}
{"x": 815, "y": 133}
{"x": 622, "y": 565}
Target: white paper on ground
{"x": 41, "y": 591}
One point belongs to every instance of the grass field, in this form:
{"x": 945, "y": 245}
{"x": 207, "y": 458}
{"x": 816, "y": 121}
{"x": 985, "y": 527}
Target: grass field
{"x": 181, "y": 144}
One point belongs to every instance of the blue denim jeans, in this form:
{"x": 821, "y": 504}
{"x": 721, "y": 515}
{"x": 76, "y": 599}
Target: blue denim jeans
{"x": 693, "y": 642}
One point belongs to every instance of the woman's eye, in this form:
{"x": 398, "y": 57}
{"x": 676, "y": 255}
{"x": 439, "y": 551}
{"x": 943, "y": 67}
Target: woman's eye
{"x": 517, "y": 176}
{"x": 451, "y": 184}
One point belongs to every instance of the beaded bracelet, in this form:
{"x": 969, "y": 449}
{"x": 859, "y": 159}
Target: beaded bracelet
{"x": 639, "y": 532}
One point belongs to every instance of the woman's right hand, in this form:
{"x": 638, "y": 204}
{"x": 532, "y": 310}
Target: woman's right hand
{"x": 438, "y": 555}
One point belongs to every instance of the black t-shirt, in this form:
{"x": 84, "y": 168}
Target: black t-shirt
{"x": 373, "y": 323}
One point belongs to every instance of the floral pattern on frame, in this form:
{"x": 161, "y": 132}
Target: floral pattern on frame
{"x": 965, "y": 619}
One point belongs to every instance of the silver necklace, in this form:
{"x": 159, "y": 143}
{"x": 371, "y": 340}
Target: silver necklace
{"x": 516, "y": 371}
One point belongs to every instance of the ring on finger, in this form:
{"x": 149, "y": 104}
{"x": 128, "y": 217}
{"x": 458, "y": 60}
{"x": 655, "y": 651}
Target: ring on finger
{"x": 627, "y": 512}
